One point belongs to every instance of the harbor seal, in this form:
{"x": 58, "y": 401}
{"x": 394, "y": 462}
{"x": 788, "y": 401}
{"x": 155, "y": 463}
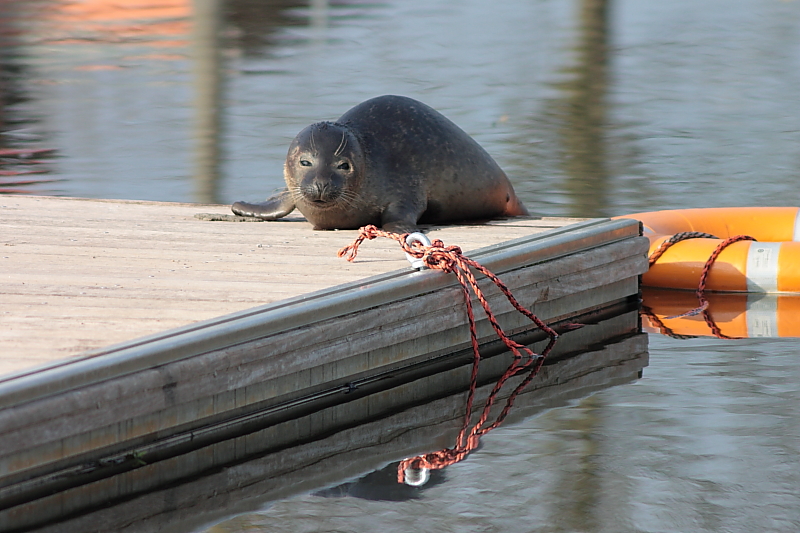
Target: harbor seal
{"x": 393, "y": 162}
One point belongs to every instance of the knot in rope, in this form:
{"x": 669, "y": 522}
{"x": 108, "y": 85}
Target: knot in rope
{"x": 439, "y": 256}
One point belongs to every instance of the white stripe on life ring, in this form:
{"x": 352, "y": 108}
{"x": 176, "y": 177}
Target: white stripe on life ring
{"x": 762, "y": 315}
{"x": 797, "y": 226}
{"x": 762, "y": 266}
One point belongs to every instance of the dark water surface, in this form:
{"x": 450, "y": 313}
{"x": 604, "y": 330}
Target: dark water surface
{"x": 593, "y": 108}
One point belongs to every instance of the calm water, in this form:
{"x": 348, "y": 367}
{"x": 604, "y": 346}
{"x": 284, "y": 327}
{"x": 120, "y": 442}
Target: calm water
{"x": 592, "y": 109}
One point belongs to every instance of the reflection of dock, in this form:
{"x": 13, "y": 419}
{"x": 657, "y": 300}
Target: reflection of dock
{"x": 83, "y": 274}
{"x": 336, "y": 444}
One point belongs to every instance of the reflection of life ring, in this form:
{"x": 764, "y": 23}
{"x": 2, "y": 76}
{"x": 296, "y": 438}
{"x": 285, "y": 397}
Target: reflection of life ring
{"x": 772, "y": 264}
{"x": 729, "y": 315}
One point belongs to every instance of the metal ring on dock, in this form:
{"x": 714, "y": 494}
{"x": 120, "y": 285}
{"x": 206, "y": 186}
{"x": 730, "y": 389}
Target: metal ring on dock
{"x": 421, "y": 238}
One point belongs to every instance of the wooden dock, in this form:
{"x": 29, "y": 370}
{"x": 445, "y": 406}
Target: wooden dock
{"x": 93, "y": 273}
{"x": 126, "y": 324}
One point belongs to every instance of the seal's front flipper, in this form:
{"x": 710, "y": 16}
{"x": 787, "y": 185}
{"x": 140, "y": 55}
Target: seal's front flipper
{"x": 399, "y": 227}
{"x": 276, "y": 206}
{"x": 401, "y": 218}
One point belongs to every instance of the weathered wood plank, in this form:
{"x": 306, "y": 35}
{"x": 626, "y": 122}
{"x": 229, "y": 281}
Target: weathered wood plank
{"x": 97, "y": 272}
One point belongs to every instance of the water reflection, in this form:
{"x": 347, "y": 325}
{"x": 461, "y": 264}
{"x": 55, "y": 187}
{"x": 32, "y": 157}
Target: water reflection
{"x": 115, "y": 22}
{"x": 23, "y": 162}
{"x": 96, "y": 83}
{"x": 208, "y": 98}
{"x": 255, "y": 27}
{"x": 728, "y": 316}
{"x": 585, "y": 107}
{"x": 574, "y": 155}
{"x": 583, "y": 479}
{"x": 416, "y": 471}
{"x": 23, "y": 167}
{"x": 588, "y": 111}
{"x": 219, "y": 25}
{"x": 382, "y": 485}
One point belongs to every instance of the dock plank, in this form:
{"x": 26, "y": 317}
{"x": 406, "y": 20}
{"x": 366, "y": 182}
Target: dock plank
{"x": 78, "y": 274}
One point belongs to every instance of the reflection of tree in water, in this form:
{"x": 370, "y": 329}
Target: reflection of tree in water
{"x": 580, "y": 482}
{"x": 12, "y": 70}
{"x": 244, "y": 26}
{"x": 20, "y": 154}
{"x": 584, "y": 112}
{"x": 577, "y": 151}
{"x": 575, "y": 124}
{"x": 256, "y": 21}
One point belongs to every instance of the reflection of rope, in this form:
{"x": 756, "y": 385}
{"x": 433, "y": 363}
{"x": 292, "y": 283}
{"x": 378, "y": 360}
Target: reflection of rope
{"x": 701, "y": 287}
{"x": 659, "y": 324}
{"x": 466, "y": 443}
{"x": 450, "y": 259}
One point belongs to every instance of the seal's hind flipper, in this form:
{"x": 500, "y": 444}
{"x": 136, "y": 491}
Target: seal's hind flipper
{"x": 276, "y": 206}
{"x": 515, "y": 207}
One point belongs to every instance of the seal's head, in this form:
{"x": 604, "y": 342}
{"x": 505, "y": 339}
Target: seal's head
{"x": 324, "y": 167}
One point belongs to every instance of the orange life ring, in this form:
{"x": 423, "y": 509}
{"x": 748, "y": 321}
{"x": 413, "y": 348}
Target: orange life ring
{"x": 729, "y": 315}
{"x": 772, "y": 264}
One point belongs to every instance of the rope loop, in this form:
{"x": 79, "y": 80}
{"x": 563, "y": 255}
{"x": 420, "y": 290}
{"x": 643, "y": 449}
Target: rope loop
{"x": 675, "y": 239}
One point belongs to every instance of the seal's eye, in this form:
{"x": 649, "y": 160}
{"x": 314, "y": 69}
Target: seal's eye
{"x": 344, "y": 166}
{"x": 305, "y": 163}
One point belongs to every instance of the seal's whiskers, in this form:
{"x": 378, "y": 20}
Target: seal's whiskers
{"x": 342, "y": 145}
